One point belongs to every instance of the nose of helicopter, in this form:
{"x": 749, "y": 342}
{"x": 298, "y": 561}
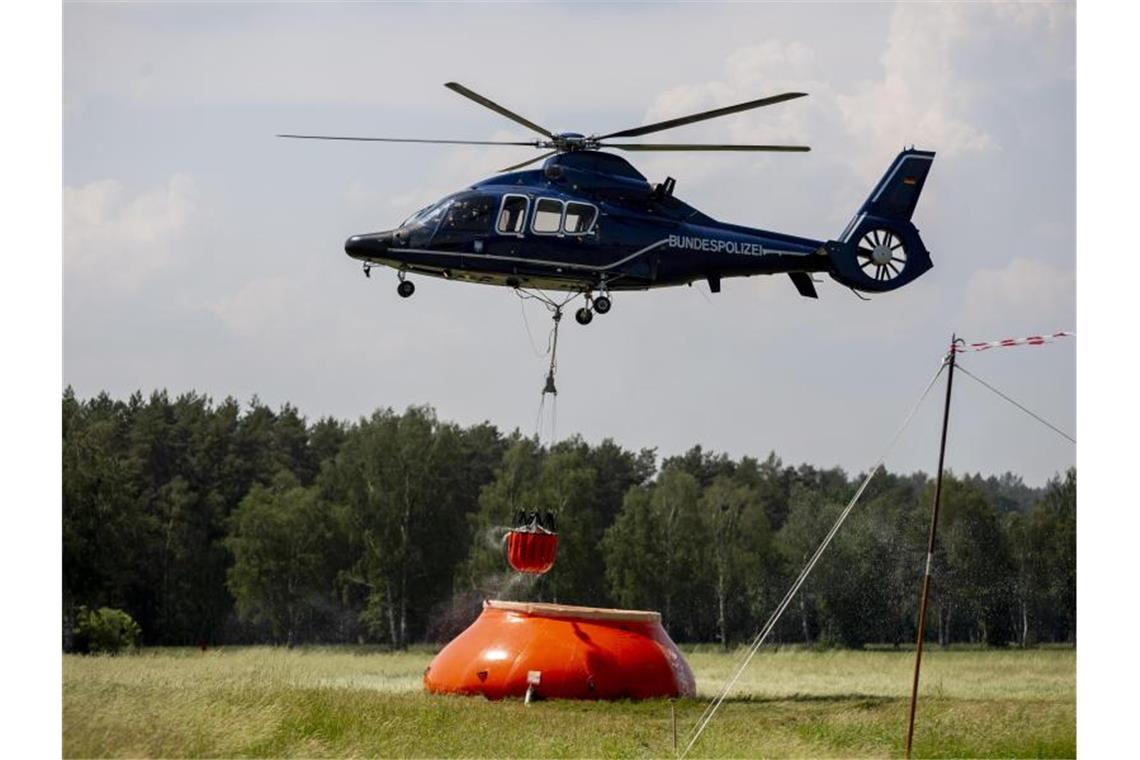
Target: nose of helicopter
{"x": 368, "y": 246}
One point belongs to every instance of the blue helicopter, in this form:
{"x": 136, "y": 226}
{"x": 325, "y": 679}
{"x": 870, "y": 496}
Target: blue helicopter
{"x": 589, "y": 223}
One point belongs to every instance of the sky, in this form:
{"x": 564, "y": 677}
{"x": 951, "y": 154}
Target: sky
{"x": 201, "y": 253}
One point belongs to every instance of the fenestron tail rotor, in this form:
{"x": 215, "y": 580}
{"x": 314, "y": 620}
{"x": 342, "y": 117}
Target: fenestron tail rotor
{"x": 881, "y": 254}
{"x": 567, "y": 142}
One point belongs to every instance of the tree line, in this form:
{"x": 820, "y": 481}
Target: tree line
{"x": 214, "y": 523}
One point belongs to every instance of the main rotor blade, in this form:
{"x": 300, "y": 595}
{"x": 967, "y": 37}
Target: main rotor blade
{"x": 528, "y": 162}
{"x": 531, "y": 143}
{"x": 689, "y": 146}
{"x": 682, "y": 120}
{"x": 456, "y": 87}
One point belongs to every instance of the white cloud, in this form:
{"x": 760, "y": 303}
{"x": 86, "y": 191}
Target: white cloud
{"x": 362, "y": 197}
{"x": 118, "y": 239}
{"x": 750, "y": 72}
{"x": 1026, "y": 294}
{"x": 920, "y": 98}
{"x": 944, "y": 64}
{"x": 262, "y": 306}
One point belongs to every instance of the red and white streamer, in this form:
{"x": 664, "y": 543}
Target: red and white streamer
{"x": 1032, "y": 340}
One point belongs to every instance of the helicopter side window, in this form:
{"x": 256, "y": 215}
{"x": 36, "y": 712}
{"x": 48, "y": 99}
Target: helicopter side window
{"x": 470, "y": 213}
{"x": 547, "y": 216}
{"x": 512, "y": 215}
{"x": 579, "y": 218}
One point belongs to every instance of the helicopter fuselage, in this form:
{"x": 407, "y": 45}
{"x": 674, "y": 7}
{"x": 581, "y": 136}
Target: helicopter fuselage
{"x": 585, "y": 221}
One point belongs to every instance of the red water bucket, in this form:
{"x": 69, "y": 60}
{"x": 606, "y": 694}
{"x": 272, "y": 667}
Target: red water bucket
{"x": 532, "y": 550}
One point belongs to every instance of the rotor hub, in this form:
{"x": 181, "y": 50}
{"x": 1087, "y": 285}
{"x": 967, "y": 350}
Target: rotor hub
{"x": 881, "y": 254}
{"x": 568, "y": 142}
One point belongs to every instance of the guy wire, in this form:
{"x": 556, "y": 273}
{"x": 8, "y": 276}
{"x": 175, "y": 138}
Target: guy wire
{"x": 711, "y": 709}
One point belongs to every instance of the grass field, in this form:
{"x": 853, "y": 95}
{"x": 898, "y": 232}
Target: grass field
{"x": 322, "y": 702}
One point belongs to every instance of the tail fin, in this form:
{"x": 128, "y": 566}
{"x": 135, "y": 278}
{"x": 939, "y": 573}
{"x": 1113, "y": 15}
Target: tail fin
{"x": 880, "y": 248}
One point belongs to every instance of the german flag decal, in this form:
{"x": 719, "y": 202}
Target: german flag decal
{"x": 909, "y": 181}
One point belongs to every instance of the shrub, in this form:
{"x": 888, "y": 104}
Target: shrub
{"x": 105, "y": 630}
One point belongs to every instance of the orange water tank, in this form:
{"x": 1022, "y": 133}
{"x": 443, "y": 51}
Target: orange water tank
{"x": 564, "y": 653}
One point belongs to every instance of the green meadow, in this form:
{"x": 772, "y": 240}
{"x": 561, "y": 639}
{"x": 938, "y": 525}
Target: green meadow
{"x": 362, "y": 702}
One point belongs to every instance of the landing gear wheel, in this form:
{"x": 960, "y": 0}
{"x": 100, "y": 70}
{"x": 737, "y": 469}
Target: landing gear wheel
{"x": 406, "y": 288}
{"x": 602, "y": 304}
{"x": 584, "y": 316}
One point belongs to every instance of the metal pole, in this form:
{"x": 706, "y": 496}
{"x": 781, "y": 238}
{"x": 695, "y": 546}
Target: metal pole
{"x": 673, "y": 712}
{"x": 930, "y": 549}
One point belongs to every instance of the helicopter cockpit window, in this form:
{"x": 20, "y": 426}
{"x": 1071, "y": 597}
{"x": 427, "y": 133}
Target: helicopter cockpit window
{"x": 512, "y": 215}
{"x": 469, "y": 213}
{"x": 427, "y": 214}
{"x": 579, "y": 218}
{"x": 547, "y": 216}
